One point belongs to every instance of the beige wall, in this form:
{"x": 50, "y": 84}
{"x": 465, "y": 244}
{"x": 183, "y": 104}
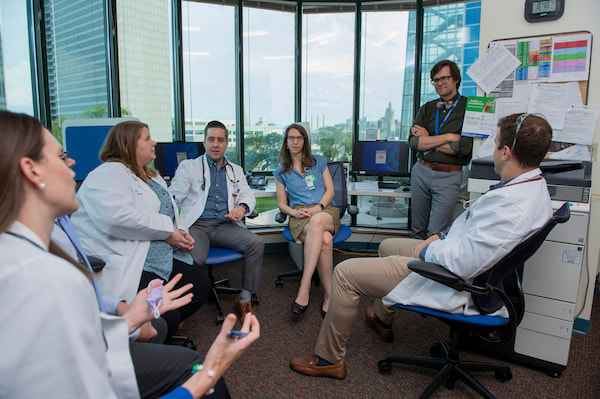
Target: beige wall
{"x": 503, "y": 19}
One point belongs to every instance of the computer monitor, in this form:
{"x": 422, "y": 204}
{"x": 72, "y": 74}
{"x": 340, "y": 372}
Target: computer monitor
{"x": 170, "y": 155}
{"x": 381, "y": 158}
{"x": 83, "y": 139}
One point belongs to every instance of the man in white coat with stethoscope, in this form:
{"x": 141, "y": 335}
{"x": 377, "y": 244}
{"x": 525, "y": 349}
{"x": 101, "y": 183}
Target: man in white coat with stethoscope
{"x": 483, "y": 234}
{"x": 214, "y": 198}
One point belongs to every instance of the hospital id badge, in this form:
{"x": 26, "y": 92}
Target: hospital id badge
{"x": 310, "y": 181}
{"x": 236, "y": 190}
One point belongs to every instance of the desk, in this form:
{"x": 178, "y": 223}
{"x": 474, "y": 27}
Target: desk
{"x": 384, "y": 214}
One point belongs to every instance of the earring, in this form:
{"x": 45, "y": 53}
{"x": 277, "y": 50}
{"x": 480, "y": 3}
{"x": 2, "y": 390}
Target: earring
{"x": 42, "y": 186}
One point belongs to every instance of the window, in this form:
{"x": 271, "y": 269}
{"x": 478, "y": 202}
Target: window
{"x": 327, "y": 81}
{"x": 383, "y": 61}
{"x": 145, "y": 64}
{"x": 77, "y": 68}
{"x": 209, "y": 70}
{"x": 15, "y": 70}
{"x": 268, "y": 85}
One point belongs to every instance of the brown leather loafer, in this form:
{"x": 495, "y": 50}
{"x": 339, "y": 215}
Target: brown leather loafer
{"x": 243, "y": 307}
{"x": 308, "y": 366}
{"x": 386, "y": 334}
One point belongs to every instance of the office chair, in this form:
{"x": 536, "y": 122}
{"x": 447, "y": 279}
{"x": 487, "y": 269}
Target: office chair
{"x": 340, "y": 199}
{"x": 490, "y": 291}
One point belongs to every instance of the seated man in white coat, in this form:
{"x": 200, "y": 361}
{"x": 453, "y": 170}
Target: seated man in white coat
{"x": 483, "y": 234}
{"x": 214, "y": 198}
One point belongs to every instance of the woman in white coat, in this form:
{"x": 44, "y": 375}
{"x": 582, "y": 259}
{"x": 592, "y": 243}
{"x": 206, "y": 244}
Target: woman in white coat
{"x": 128, "y": 219}
{"x": 51, "y": 329}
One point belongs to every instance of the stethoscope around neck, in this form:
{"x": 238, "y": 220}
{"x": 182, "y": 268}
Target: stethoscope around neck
{"x": 233, "y": 181}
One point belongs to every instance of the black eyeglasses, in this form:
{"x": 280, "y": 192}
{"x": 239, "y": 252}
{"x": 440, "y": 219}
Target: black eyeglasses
{"x": 442, "y": 79}
{"x": 295, "y": 138}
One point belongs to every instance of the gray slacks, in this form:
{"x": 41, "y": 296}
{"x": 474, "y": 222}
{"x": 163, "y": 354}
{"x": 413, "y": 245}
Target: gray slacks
{"x": 433, "y": 198}
{"x": 353, "y": 278}
{"x": 233, "y": 236}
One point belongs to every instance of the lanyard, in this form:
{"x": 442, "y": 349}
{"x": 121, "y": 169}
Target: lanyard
{"x": 437, "y": 116}
{"x": 26, "y": 239}
{"x": 466, "y": 203}
{"x": 519, "y": 182}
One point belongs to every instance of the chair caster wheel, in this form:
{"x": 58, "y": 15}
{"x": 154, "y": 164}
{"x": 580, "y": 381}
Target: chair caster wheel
{"x": 190, "y": 344}
{"x": 385, "y": 367}
{"x": 279, "y": 282}
{"x": 254, "y": 300}
{"x": 436, "y": 350}
{"x": 503, "y": 376}
{"x": 220, "y": 319}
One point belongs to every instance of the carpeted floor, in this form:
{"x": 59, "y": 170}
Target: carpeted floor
{"x": 263, "y": 371}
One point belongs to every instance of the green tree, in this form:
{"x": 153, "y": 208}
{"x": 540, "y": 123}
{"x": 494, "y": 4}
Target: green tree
{"x": 99, "y": 111}
{"x": 335, "y": 143}
{"x": 261, "y": 152}
{"x": 57, "y": 128}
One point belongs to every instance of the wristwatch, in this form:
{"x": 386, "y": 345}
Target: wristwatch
{"x": 246, "y": 207}
{"x": 321, "y": 205}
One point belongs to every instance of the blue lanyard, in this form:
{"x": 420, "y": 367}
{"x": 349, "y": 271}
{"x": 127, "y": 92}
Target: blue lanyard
{"x": 437, "y": 116}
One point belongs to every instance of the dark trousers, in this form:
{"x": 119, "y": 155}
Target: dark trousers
{"x": 208, "y": 234}
{"x": 159, "y": 369}
{"x": 190, "y": 274}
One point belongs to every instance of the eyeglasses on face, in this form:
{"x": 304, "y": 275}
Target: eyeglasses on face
{"x": 442, "y": 79}
{"x": 295, "y": 138}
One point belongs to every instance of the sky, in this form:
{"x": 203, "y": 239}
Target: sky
{"x": 209, "y": 63}
{"x": 15, "y": 52}
{"x": 328, "y": 56}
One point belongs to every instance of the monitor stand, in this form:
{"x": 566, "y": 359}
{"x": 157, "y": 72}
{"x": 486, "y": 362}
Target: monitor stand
{"x": 387, "y": 184}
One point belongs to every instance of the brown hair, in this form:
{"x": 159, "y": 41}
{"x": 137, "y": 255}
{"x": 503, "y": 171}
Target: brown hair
{"x": 454, "y": 71}
{"x": 533, "y": 138}
{"x": 120, "y": 146}
{"x": 21, "y": 136}
{"x": 284, "y": 154}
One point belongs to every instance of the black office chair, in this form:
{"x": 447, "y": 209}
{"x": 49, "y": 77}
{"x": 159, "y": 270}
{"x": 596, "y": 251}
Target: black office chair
{"x": 340, "y": 199}
{"x": 490, "y": 291}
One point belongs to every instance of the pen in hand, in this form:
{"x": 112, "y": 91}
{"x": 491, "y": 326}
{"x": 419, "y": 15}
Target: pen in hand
{"x": 235, "y": 334}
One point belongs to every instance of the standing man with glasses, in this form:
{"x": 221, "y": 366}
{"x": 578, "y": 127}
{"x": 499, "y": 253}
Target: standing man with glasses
{"x": 441, "y": 151}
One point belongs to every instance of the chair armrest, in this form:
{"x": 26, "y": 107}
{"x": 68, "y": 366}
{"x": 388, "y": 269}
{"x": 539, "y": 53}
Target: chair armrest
{"x": 280, "y": 217}
{"x": 440, "y": 274}
{"x": 252, "y": 214}
{"x": 352, "y": 210}
{"x": 96, "y": 263}
{"x": 436, "y": 273}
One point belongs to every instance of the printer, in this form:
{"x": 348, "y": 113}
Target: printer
{"x": 568, "y": 180}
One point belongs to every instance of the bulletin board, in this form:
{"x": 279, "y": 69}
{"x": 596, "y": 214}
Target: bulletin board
{"x": 556, "y": 58}
{"x": 551, "y": 79}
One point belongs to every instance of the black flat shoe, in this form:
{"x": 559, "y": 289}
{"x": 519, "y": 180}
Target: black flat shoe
{"x": 323, "y": 313}
{"x": 298, "y": 309}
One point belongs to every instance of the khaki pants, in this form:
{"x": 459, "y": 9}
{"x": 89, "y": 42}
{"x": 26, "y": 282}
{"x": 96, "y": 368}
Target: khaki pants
{"x": 355, "y": 277}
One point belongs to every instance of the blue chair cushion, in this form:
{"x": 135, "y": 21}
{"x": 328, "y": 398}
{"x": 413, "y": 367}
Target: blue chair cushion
{"x": 216, "y": 256}
{"x": 480, "y": 320}
{"x": 344, "y": 232}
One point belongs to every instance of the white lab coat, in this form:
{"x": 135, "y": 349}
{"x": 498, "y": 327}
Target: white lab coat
{"x": 51, "y": 341}
{"x": 482, "y": 235}
{"x": 186, "y": 187}
{"x": 117, "y": 218}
